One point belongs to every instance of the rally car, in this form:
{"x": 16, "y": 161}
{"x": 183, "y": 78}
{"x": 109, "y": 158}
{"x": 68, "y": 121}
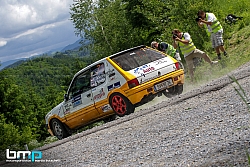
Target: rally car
{"x": 115, "y": 85}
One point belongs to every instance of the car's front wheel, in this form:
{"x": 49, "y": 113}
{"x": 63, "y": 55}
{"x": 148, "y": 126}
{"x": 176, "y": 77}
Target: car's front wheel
{"x": 173, "y": 91}
{"x": 58, "y": 129}
{"x": 121, "y": 105}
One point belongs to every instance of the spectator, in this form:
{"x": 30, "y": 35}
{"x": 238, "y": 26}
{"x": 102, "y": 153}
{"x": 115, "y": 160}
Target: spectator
{"x": 188, "y": 49}
{"x": 215, "y": 30}
{"x": 168, "y": 49}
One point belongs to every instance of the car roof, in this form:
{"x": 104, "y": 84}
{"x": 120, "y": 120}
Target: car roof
{"x": 111, "y": 56}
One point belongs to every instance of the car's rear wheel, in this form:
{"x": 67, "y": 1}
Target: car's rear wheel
{"x": 173, "y": 91}
{"x": 58, "y": 129}
{"x": 121, "y": 105}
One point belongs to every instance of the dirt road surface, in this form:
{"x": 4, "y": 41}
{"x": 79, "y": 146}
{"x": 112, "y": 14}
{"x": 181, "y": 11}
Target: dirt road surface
{"x": 207, "y": 126}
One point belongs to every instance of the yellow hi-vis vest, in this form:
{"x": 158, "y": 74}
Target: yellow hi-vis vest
{"x": 185, "y": 49}
{"x": 216, "y": 26}
{"x": 171, "y": 50}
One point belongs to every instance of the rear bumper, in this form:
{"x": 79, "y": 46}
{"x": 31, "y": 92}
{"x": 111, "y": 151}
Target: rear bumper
{"x": 136, "y": 94}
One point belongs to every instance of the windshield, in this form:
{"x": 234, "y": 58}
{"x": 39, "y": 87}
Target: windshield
{"x": 136, "y": 58}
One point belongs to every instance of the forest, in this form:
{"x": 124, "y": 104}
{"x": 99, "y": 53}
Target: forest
{"x": 29, "y": 90}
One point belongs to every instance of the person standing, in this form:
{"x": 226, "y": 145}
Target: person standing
{"x": 188, "y": 49}
{"x": 168, "y": 49}
{"x": 215, "y": 30}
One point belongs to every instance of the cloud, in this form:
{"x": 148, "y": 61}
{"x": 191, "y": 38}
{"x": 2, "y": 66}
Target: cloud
{"x": 2, "y": 43}
{"x": 22, "y": 14}
{"x": 29, "y": 27}
{"x": 39, "y": 40}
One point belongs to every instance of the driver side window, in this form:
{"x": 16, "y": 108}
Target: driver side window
{"x": 80, "y": 84}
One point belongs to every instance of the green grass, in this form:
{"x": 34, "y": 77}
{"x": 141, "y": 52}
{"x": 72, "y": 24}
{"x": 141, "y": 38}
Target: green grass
{"x": 241, "y": 92}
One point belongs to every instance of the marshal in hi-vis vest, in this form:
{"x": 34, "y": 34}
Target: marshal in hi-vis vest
{"x": 170, "y": 50}
{"x": 216, "y": 26}
{"x": 185, "y": 49}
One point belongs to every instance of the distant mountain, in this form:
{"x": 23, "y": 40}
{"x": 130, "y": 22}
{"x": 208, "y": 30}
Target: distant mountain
{"x": 74, "y": 46}
{"x": 10, "y": 62}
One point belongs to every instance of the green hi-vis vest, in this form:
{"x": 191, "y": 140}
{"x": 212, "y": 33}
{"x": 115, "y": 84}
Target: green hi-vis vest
{"x": 216, "y": 26}
{"x": 171, "y": 50}
{"x": 185, "y": 49}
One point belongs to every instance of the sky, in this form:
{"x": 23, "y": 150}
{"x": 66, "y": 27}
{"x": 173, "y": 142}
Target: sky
{"x": 33, "y": 27}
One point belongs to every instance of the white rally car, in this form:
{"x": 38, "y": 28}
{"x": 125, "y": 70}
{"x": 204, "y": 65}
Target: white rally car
{"x": 115, "y": 85}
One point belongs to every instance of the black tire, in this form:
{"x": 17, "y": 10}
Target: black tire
{"x": 178, "y": 89}
{"x": 121, "y": 105}
{"x": 58, "y": 129}
{"x": 109, "y": 119}
{"x": 173, "y": 91}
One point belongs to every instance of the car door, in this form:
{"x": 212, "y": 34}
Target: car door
{"x": 99, "y": 88}
{"x": 79, "y": 108}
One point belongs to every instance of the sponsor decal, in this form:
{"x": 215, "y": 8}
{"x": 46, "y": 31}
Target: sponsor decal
{"x": 77, "y": 100}
{"x": 110, "y": 87}
{"x": 106, "y": 108}
{"x": 139, "y": 69}
{"x": 97, "y": 80}
{"x": 160, "y": 61}
{"x": 148, "y": 69}
{"x": 99, "y": 95}
{"x": 67, "y": 109}
{"x": 111, "y": 74}
{"x": 113, "y": 86}
{"x": 143, "y": 69}
{"x": 117, "y": 84}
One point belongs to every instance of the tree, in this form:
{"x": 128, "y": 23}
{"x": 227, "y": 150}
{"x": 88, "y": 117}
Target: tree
{"x": 105, "y": 24}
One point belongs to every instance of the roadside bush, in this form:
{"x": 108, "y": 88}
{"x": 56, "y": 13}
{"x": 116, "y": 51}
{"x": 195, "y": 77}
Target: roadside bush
{"x": 12, "y": 137}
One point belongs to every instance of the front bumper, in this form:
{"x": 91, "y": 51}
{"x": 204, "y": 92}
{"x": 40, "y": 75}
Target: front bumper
{"x": 49, "y": 130}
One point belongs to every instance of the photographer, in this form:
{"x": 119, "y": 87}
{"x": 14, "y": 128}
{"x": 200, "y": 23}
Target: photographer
{"x": 213, "y": 27}
{"x": 168, "y": 49}
{"x": 187, "y": 47}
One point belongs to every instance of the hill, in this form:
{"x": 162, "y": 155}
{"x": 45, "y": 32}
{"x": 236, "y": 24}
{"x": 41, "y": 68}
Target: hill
{"x": 10, "y": 62}
{"x": 72, "y": 49}
{"x": 74, "y": 46}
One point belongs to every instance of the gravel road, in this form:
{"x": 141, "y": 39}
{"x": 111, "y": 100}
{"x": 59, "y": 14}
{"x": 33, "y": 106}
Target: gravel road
{"x": 208, "y": 126}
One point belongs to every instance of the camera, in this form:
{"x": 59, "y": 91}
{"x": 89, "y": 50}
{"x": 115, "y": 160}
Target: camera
{"x": 175, "y": 36}
{"x": 198, "y": 18}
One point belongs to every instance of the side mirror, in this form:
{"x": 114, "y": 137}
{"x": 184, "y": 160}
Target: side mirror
{"x": 66, "y": 97}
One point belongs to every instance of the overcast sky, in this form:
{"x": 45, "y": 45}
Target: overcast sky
{"x": 31, "y": 27}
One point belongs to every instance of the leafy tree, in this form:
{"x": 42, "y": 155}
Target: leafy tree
{"x": 105, "y": 24}
{"x": 119, "y": 24}
{"x": 29, "y": 91}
